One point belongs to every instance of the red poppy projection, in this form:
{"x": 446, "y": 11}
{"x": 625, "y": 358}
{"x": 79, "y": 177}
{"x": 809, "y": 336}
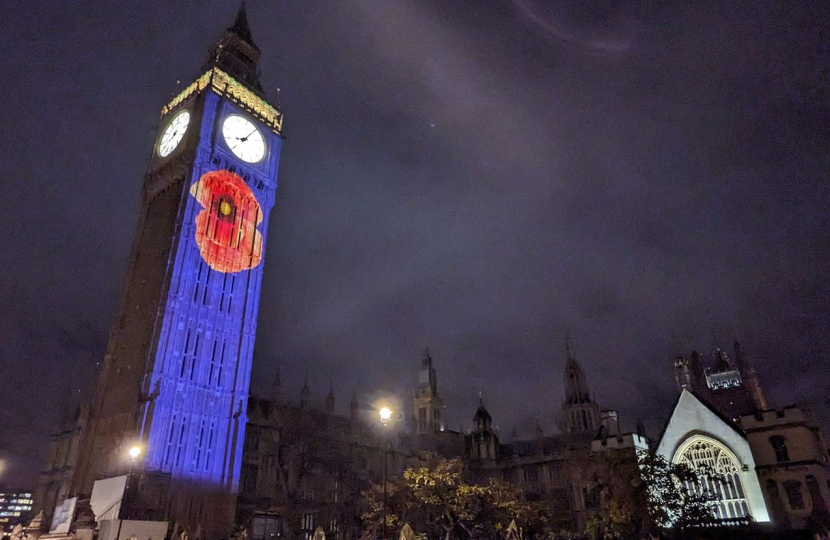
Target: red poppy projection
{"x": 226, "y": 228}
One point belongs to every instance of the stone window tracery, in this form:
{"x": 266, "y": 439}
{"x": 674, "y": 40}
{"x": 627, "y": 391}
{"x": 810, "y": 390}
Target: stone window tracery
{"x": 719, "y": 473}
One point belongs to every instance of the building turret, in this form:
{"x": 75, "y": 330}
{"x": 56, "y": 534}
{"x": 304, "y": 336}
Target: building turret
{"x": 482, "y": 418}
{"x": 731, "y": 387}
{"x": 580, "y": 413}
{"x": 483, "y": 440}
{"x": 427, "y": 403}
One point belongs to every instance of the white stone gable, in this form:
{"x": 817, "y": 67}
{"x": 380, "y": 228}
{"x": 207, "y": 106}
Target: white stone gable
{"x": 691, "y": 418}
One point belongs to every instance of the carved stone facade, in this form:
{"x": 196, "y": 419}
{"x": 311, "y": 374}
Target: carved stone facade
{"x": 774, "y": 461}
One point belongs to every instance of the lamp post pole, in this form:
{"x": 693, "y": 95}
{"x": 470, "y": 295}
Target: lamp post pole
{"x": 385, "y": 460}
{"x": 385, "y": 416}
{"x": 134, "y": 452}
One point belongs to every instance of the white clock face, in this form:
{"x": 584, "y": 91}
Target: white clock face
{"x": 243, "y": 138}
{"x": 174, "y": 133}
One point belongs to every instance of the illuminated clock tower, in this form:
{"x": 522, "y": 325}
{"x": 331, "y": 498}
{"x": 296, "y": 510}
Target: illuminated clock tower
{"x": 176, "y": 375}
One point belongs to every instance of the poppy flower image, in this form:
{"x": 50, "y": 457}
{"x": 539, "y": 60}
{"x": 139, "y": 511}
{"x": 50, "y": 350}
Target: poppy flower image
{"x": 226, "y": 229}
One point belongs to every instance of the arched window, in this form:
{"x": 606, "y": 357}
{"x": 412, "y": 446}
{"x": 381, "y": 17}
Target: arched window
{"x": 794, "y": 494}
{"x": 719, "y": 473}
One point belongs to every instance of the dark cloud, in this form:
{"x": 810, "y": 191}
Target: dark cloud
{"x": 473, "y": 176}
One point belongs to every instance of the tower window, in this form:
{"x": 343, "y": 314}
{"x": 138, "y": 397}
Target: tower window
{"x": 193, "y": 357}
{"x": 180, "y": 448}
{"x": 422, "y": 418}
{"x": 794, "y": 494}
{"x": 185, "y": 353}
{"x": 170, "y": 439}
{"x": 210, "y": 444}
{"x": 779, "y": 445}
{"x": 200, "y": 441}
{"x": 212, "y": 361}
{"x": 221, "y": 365}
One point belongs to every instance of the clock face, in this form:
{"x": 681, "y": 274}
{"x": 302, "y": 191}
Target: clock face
{"x": 243, "y": 138}
{"x": 174, "y": 133}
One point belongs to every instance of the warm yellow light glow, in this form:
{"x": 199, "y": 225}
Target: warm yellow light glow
{"x": 134, "y": 452}
{"x": 385, "y": 414}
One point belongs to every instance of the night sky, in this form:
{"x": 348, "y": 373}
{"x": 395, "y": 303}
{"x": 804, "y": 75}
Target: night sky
{"x": 475, "y": 176}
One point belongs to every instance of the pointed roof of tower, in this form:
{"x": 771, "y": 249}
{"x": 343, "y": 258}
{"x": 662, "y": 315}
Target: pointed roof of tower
{"x": 569, "y": 346}
{"x": 236, "y": 53}
{"x": 576, "y": 384}
{"x": 240, "y": 26}
{"x": 330, "y": 398}
{"x": 304, "y": 391}
{"x": 427, "y": 378}
{"x": 482, "y": 417}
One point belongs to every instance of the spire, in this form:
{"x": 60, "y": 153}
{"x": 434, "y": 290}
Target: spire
{"x": 576, "y": 385}
{"x": 237, "y": 54}
{"x": 482, "y": 418}
{"x": 427, "y": 378}
{"x": 240, "y": 26}
{"x": 330, "y": 399}
{"x": 569, "y": 347}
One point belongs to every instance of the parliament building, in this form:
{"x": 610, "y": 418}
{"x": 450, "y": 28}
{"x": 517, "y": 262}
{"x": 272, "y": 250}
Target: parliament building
{"x": 170, "y": 435}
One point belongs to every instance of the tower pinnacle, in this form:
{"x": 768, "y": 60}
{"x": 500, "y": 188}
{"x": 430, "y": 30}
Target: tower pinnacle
{"x": 580, "y": 413}
{"x": 236, "y": 53}
{"x": 240, "y": 26}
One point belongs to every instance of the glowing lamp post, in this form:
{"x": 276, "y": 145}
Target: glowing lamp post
{"x": 385, "y": 416}
{"x": 133, "y": 453}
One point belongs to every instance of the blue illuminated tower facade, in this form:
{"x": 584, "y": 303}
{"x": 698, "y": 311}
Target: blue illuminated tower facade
{"x": 176, "y": 375}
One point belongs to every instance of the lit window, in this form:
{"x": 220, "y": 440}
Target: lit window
{"x": 723, "y": 488}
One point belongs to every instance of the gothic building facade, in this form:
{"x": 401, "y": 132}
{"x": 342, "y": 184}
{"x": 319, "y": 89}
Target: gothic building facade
{"x": 306, "y": 466}
{"x": 775, "y": 461}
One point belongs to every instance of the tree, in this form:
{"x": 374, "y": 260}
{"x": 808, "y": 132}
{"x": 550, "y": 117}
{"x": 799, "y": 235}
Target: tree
{"x": 654, "y": 495}
{"x": 438, "y": 503}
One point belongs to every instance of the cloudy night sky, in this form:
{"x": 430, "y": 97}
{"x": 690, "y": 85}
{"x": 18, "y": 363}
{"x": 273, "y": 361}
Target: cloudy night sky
{"x": 472, "y": 176}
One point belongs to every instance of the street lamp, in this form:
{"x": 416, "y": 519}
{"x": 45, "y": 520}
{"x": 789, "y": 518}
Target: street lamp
{"x": 385, "y": 416}
{"x": 134, "y": 452}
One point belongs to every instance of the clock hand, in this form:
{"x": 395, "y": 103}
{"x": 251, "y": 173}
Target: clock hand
{"x": 245, "y": 138}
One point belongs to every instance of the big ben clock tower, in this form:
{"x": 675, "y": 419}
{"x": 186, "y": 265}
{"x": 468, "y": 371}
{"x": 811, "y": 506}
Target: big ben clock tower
{"x": 175, "y": 378}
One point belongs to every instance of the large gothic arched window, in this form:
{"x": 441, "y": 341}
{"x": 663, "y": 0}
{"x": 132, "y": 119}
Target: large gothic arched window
{"x": 719, "y": 473}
